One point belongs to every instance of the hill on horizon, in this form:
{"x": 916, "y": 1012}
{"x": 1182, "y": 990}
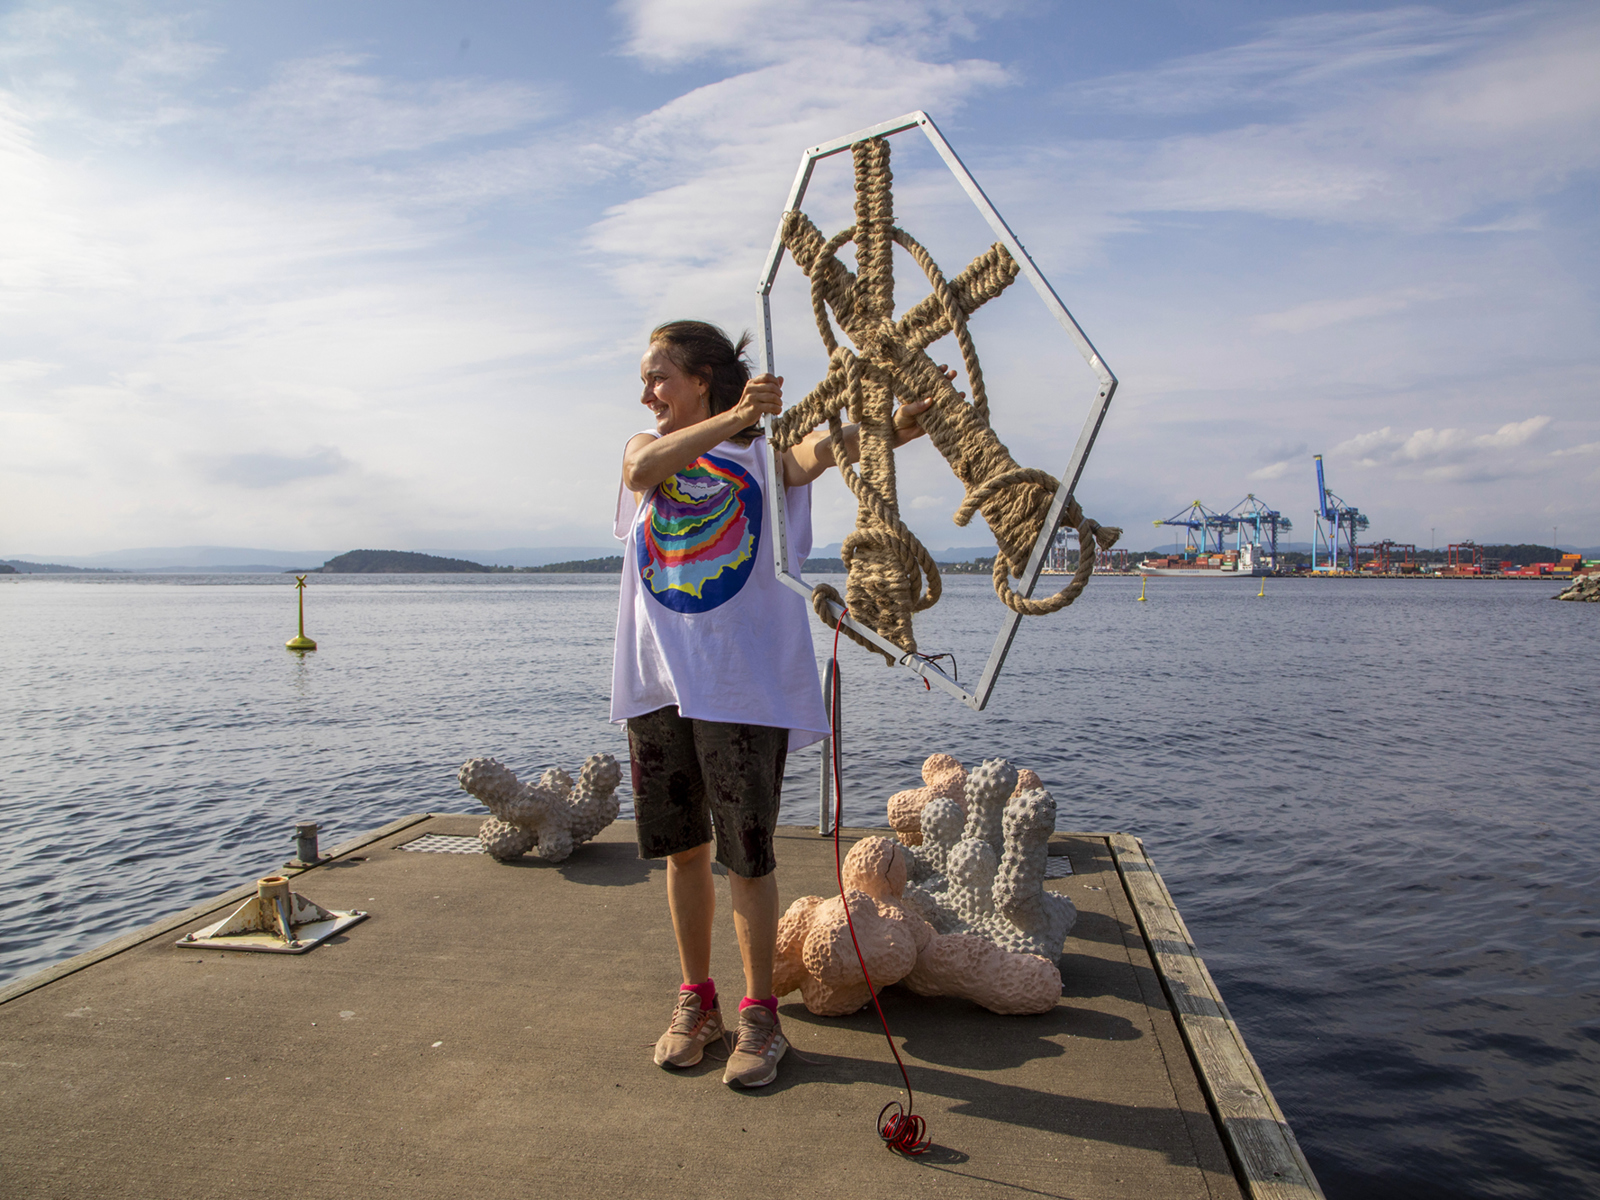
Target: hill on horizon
{"x": 396, "y": 562}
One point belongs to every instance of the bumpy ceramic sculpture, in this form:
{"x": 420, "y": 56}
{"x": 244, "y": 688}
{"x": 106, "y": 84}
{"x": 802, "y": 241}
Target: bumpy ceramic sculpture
{"x": 551, "y": 817}
{"x": 815, "y": 954}
{"x": 985, "y": 874}
{"x": 941, "y": 776}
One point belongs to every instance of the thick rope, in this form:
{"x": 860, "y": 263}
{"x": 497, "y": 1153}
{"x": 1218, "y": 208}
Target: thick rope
{"x": 890, "y": 573}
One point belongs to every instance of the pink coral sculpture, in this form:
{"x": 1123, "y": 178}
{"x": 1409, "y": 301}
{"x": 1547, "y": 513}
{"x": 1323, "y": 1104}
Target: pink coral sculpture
{"x": 815, "y": 954}
{"x": 942, "y": 776}
{"x": 974, "y": 968}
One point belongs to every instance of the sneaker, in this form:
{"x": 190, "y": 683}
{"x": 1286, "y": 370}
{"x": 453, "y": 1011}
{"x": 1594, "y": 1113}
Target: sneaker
{"x": 757, "y": 1049}
{"x": 684, "y": 1042}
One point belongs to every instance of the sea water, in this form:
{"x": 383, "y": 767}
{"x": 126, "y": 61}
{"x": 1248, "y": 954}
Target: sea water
{"x": 1374, "y": 801}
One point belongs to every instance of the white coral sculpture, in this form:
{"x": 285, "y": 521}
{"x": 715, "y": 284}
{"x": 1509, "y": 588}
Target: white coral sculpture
{"x": 551, "y": 817}
{"x": 816, "y": 955}
{"x": 978, "y": 864}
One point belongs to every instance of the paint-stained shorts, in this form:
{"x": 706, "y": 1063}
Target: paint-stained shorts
{"x": 688, "y": 774}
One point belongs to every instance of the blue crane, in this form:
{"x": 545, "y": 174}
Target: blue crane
{"x": 1267, "y": 522}
{"x": 1336, "y": 523}
{"x": 1212, "y": 526}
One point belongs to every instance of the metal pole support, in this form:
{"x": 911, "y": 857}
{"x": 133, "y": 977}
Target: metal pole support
{"x": 825, "y": 790}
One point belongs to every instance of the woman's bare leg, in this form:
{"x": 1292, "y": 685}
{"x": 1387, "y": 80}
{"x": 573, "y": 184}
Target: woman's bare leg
{"x": 755, "y": 921}
{"x": 692, "y": 897}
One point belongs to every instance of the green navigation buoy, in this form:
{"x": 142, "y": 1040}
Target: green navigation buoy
{"x": 302, "y": 642}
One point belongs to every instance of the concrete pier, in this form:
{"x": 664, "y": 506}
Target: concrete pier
{"x": 487, "y": 1033}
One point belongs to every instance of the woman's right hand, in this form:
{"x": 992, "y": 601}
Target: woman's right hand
{"x": 762, "y": 395}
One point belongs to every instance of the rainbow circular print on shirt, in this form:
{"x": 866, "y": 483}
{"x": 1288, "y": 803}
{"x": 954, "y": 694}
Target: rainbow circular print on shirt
{"x": 698, "y": 540}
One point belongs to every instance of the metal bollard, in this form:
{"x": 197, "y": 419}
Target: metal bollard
{"x": 305, "y": 833}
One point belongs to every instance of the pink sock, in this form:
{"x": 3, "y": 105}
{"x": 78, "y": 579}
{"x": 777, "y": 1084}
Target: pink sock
{"x": 770, "y": 1004}
{"x": 706, "y": 990}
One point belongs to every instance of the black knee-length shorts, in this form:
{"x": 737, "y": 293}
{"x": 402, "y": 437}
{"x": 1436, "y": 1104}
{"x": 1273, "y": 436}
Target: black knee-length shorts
{"x": 689, "y": 775}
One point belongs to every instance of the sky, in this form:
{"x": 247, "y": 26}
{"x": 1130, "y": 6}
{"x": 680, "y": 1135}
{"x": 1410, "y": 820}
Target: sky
{"x": 378, "y": 274}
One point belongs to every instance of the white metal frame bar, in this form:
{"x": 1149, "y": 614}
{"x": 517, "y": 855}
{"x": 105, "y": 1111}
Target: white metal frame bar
{"x": 978, "y": 698}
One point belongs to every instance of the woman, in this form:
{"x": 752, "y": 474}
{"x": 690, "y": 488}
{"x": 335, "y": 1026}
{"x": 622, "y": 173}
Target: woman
{"x": 714, "y": 670}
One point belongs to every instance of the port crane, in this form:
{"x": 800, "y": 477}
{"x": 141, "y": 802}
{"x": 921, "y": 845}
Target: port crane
{"x": 1334, "y": 528}
{"x": 1267, "y": 522}
{"x": 1210, "y": 526}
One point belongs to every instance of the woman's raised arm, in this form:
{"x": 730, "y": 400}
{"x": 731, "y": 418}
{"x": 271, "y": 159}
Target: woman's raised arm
{"x": 813, "y": 455}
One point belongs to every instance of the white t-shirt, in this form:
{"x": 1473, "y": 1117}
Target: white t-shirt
{"x": 703, "y": 622}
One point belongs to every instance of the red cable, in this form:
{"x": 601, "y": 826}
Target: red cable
{"x": 901, "y": 1130}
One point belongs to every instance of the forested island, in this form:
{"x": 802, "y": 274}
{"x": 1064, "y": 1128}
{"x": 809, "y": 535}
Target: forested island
{"x": 611, "y": 565}
{"x": 393, "y": 562}
{"x": 17, "y": 566}
{"x": 409, "y": 562}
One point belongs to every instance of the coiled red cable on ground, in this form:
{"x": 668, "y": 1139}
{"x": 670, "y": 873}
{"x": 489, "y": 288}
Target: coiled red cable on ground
{"x": 902, "y": 1130}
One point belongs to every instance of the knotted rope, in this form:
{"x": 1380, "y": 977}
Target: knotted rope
{"x": 890, "y": 573}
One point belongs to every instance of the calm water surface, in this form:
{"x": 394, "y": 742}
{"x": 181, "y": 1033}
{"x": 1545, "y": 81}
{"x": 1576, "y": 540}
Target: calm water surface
{"x": 1374, "y": 802}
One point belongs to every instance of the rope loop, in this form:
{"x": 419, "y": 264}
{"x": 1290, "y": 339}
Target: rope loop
{"x": 1092, "y": 536}
{"x": 822, "y": 594}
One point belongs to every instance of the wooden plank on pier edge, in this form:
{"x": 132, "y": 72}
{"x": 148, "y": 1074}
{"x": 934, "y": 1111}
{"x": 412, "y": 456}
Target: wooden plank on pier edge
{"x": 1266, "y": 1156}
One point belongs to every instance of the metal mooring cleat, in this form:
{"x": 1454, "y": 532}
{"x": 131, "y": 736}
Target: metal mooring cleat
{"x": 306, "y": 853}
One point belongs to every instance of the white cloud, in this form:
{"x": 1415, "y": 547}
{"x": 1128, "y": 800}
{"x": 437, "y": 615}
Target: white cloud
{"x": 1585, "y": 448}
{"x": 323, "y": 108}
{"x": 1320, "y": 314}
{"x": 1292, "y": 61}
{"x": 1447, "y": 454}
{"x": 1495, "y": 110}
{"x": 674, "y": 33}
{"x": 1514, "y": 433}
{"x": 108, "y": 71}
{"x": 265, "y": 469}
{"x": 1272, "y": 471}
{"x": 21, "y": 369}
{"x": 717, "y": 159}
{"x": 196, "y": 307}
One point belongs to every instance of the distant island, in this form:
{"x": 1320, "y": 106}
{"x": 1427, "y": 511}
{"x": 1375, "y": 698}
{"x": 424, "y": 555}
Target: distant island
{"x": 587, "y": 566}
{"x": 393, "y": 562}
{"x": 408, "y": 562}
{"x": 17, "y": 566}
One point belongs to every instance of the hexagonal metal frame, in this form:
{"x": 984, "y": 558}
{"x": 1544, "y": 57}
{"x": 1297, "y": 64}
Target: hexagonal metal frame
{"x": 978, "y": 698}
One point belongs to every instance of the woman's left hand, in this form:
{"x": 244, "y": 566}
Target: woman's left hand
{"x": 906, "y": 426}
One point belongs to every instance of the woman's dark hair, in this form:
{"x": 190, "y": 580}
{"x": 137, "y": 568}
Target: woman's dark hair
{"x": 704, "y": 351}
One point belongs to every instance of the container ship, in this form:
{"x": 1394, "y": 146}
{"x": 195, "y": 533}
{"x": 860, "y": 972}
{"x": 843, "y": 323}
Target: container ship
{"x": 1247, "y": 562}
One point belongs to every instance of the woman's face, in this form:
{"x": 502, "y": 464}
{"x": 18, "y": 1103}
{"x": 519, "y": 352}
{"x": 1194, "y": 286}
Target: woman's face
{"x": 676, "y": 398}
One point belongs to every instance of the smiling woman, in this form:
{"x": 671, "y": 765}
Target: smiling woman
{"x": 713, "y": 673}
{"x": 714, "y": 670}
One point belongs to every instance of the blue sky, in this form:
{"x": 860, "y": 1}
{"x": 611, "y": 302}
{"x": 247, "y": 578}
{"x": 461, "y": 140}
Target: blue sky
{"x": 294, "y": 274}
